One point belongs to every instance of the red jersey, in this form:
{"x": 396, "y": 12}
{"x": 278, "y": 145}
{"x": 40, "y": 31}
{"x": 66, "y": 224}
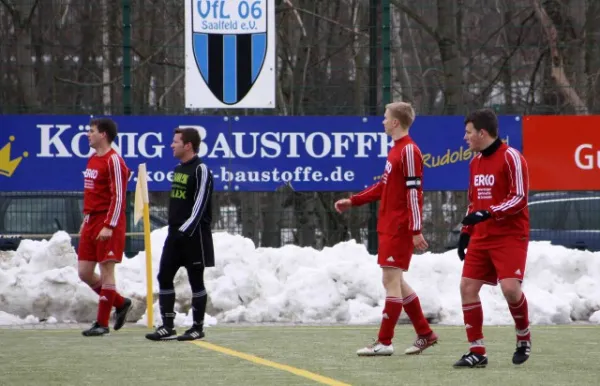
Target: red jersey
{"x": 105, "y": 185}
{"x": 499, "y": 183}
{"x": 399, "y": 190}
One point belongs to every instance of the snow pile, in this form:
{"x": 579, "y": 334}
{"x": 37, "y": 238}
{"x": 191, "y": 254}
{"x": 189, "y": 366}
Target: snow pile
{"x": 341, "y": 284}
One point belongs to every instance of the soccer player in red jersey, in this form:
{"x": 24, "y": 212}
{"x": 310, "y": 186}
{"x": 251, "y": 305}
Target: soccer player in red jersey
{"x": 399, "y": 229}
{"x": 103, "y": 228}
{"x": 496, "y": 232}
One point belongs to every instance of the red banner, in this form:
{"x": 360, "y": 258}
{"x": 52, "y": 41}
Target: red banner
{"x": 562, "y": 152}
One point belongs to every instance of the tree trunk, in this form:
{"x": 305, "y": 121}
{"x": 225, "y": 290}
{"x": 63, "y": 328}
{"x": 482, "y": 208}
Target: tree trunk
{"x": 25, "y": 53}
{"x": 448, "y": 45}
{"x": 557, "y": 64}
{"x": 592, "y": 56}
{"x": 406, "y": 88}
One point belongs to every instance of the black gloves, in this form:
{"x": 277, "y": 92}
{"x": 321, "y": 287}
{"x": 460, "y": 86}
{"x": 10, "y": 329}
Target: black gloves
{"x": 471, "y": 219}
{"x": 463, "y": 242}
{"x": 476, "y": 217}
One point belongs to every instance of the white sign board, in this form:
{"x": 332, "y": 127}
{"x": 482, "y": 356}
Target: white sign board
{"x": 230, "y": 53}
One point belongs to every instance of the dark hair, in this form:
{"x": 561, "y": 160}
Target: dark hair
{"x": 189, "y": 135}
{"x": 484, "y": 119}
{"x": 106, "y": 125}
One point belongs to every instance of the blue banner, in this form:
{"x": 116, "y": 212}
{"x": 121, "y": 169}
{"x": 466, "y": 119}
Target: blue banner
{"x": 255, "y": 153}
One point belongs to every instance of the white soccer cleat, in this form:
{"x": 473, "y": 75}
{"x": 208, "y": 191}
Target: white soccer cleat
{"x": 376, "y": 349}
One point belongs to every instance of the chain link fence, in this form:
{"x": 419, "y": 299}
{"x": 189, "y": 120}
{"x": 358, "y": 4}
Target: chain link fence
{"x": 339, "y": 57}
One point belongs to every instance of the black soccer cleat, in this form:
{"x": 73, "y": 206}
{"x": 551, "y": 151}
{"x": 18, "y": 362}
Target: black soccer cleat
{"x": 96, "y": 330}
{"x": 121, "y": 314}
{"x": 471, "y": 360}
{"x": 162, "y": 333}
{"x": 522, "y": 352}
{"x": 192, "y": 334}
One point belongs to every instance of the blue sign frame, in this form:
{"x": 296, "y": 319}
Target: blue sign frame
{"x": 254, "y": 153}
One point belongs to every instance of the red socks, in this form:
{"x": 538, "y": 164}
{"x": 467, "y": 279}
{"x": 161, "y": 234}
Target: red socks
{"x": 119, "y": 300}
{"x": 473, "y": 317}
{"x": 391, "y": 313}
{"x": 412, "y": 307}
{"x": 107, "y": 298}
{"x": 520, "y": 314}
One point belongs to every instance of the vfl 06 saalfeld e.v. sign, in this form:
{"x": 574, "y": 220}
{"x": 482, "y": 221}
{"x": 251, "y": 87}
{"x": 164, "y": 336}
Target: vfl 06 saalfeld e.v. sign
{"x": 230, "y": 53}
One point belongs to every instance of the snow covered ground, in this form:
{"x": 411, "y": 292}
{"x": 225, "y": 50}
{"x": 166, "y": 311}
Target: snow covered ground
{"x": 341, "y": 284}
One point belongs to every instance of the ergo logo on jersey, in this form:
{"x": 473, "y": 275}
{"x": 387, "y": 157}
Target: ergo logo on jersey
{"x": 484, "y": 180}
{"x": 388, "y": 170}
{"x": 90, "y": 173}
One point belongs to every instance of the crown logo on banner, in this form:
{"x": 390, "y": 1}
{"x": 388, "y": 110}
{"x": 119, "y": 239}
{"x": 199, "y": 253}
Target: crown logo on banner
{"x": 7, "y": 165}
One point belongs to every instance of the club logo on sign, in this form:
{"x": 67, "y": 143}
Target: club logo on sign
{"x": 229, "y": 42}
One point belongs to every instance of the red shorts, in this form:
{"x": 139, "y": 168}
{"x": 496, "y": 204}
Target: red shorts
{"x": 395, "y": 251}
{"x": 491, "y": 265}
{"x": 91, "y": 249}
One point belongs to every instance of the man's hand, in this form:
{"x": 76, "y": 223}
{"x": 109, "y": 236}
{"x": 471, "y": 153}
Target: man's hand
{"x": 476, "y": 217}
{"x": 463, "y": 242}
{"x": 343, "y": 205}
{"x": 81, "y": 227}
{"x": 105, "y": 234}
{"x": 419, "y": 242}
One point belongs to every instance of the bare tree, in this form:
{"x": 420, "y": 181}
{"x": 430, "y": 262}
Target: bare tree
{"x": 449, "y": 56}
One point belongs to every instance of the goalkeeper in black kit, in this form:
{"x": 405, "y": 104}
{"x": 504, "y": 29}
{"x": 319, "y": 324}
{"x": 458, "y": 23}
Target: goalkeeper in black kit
{"x": 189, "y": 242}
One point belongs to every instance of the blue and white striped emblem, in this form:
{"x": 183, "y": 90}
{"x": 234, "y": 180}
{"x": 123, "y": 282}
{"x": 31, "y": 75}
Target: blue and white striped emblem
{"x": 229, "y": 41}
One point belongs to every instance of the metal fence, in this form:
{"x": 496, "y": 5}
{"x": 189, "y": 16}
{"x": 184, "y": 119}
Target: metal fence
{"x": 339, "y": 57}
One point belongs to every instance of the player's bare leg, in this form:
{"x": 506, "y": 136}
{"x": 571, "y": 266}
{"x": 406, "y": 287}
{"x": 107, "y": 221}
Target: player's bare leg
{"x": 517, "y": 304}
{"x": 392, "y": 282}
{"x": 87, "y": 274}
{"x": 473, "y": 317}
{"x": 412, "y": 306}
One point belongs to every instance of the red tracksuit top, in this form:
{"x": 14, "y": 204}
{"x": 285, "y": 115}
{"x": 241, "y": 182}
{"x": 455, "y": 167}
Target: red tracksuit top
{"x": 499, "y": 183}
{"x": 105, "y": 186}
{"x": 399, "y": 189}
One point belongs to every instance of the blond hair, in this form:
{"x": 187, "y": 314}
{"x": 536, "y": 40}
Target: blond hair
{"x": 402, "y": 111}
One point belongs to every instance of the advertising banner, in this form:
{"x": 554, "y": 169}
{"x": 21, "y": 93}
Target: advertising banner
{"x": 562, "y": 152}
{"x": 256, "y": 153}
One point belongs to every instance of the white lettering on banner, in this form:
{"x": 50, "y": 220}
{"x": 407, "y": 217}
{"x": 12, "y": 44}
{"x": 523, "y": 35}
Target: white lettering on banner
{"x": 126, "y": 143}
{"x": 154, "y": 176}
{"x": 148, "y": 145}
{"x": 273, "y": 145}
{"x": 54, "y": 143}
{"x": 586, "y": 162}
{"x": 310, "y": 141}
{"x": 300, "y": 174}
{"x": 142, "y": 146}
{"x": 48, "y": 141}
{"x": 484, "y": 180}
{"x": 340, "y": 144}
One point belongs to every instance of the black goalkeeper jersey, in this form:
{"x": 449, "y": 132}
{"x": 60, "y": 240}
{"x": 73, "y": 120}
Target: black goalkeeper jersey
{"x": 190, "y": 206}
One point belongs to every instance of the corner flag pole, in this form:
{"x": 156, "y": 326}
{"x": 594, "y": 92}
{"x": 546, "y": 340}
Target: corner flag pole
{"x": 142, "y": 210}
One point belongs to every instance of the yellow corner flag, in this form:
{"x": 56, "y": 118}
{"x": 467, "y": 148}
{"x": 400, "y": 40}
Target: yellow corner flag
{"x": 142, "y": 210}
